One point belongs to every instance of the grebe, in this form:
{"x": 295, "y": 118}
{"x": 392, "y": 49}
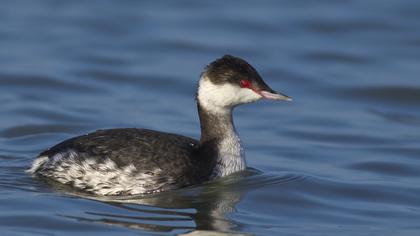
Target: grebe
{"x": 133, "y": 161}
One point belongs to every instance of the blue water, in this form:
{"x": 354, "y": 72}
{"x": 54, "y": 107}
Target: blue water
{"x": 342, "y": 159}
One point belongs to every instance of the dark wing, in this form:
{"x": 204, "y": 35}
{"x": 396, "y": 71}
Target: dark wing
{"x": 172, "y": 155}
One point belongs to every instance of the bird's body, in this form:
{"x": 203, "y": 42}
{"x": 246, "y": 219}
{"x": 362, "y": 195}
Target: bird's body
{"x": 140, "y": 161}
{"x": 125, "y": 161}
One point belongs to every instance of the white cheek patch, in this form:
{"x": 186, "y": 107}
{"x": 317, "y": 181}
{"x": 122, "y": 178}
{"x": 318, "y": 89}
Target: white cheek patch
{"x": 246, "y": 95}
{"x": 222, "y": 98}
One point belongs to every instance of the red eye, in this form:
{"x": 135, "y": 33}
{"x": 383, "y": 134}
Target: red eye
{"x": 244, "y": 83}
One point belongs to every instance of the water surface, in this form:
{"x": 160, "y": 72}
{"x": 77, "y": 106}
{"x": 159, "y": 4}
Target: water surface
{"x": 342, "y": 159}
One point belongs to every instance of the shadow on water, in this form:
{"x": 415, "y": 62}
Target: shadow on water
{"x": 204, "y": 207}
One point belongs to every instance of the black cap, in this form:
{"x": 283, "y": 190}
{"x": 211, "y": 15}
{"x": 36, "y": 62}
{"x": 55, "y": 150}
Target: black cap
{"x": 230, "y": 69}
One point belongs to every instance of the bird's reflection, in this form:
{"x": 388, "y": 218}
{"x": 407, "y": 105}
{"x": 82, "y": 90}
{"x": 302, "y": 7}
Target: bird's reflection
{"x": 199, "y": 208}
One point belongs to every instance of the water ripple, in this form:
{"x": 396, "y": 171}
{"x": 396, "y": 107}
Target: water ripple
{"x": 387, "y": 168}
{"x": 42, "y": 82}
{"x": 335, "y": 57}
{"x": 32, "y": 129}
{"x": 384, "y": 94}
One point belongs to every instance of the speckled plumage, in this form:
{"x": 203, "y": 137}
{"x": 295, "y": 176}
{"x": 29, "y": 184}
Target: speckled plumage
{"x": 169, "y": 161}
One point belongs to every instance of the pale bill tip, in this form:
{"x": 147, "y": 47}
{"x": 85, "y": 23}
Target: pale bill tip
{"x": 275, "y": 96}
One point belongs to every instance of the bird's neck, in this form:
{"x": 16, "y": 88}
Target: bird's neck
{"x": 218, "y": 134}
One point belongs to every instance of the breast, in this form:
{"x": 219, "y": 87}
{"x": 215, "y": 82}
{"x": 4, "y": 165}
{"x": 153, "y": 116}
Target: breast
{"x": 230, "y": 156}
